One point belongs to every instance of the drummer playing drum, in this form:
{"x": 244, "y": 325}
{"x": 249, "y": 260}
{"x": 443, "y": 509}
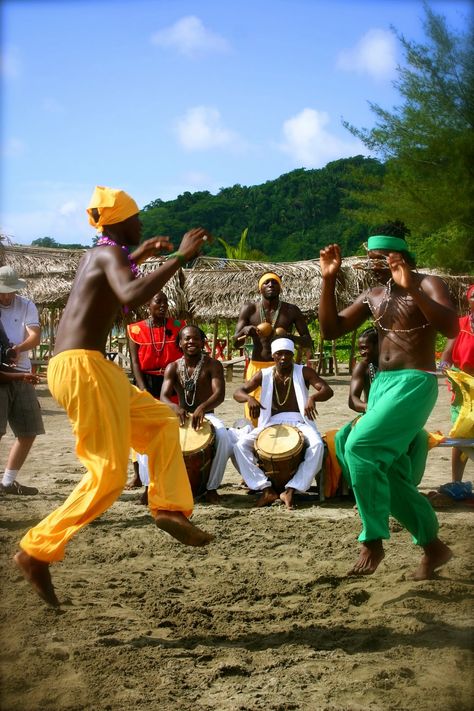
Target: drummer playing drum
{"x": 199, "y": 382}
{"x": 284, "y": 400}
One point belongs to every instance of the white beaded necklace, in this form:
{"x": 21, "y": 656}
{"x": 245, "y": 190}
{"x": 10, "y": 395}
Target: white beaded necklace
{"x": 189, "y": 382}
{"x": 377, "y": 319}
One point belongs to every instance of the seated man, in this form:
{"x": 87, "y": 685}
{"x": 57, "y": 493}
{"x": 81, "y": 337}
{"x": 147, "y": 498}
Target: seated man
{"x": 365, "y": 370}
{"x": 199, "y": 382}
{"x": 284, "y": 400}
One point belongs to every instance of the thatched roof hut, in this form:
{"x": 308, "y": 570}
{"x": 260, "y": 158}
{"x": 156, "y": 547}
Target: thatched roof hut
{"x": 212, "y": 289}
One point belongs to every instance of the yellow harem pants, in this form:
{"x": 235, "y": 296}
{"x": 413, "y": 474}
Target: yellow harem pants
{"x": 253, "y": 367}
{"x": 108, "y": 415}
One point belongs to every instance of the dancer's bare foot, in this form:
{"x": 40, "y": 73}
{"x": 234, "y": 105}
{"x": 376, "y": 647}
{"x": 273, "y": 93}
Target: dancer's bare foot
{"x": 287, "y": 498}
{"x": 144, "y": 497}
{"x": 435, "y": 555}
{"x": 212, "y": 497}
{"x": 38, "y": 575}
{"x": 267, "y": 497}
{"x": 177, "y": 525}
{"x": 136, "y": 482}
{"x": 370, "y": 556}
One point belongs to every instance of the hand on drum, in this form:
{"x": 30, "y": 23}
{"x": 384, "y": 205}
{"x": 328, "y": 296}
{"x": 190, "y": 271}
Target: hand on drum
{"x": 198, "y": 417}
{"x": 254, "y": 408}
{"x": 182, "y": 415}
{"x": 310, "y": 408}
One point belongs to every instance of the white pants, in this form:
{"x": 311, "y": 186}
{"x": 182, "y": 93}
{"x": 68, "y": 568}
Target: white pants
{"x": 256, "y": 479}
{"x": 222, "y": 453}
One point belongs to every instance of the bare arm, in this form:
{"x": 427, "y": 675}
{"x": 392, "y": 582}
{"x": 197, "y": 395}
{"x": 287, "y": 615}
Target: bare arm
{"x": 332, "y": 323}
{"x": 244, "y": 328}
{"x": 33, "y": 337}
{"x": 134, "y": 292}
{"x": 171, "y": 385}
{"x": 304, "y": 339}
{"x": 217, "y": 395}
{"x": 447, "y": 354}
{"x": 356, "y": 388}
{"x": 243, "y": 394}
{"x": 323, "y": 392}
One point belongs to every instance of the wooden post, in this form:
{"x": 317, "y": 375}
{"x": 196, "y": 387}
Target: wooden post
{"x": 51, "y": 331}
{"x": 352, "y": 353}
{"x": 227, "y": 335}
{"x": 214, "y": 339}
{"x": 334, "y": 359}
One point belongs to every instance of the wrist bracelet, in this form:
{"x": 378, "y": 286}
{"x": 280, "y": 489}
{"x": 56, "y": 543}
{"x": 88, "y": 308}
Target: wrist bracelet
{"x": 180, "y": 257}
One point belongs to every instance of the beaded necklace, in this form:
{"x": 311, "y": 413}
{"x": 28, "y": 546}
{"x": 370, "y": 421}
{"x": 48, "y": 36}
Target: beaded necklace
{"x": 151, "y": 326}
{"x": 264, "y": 317}
{"x": 103, "y": 240}
{"x": 386, "y": 300}
{"x": 372, "y": 369}
{"x": 189, "y": 382}
{"x": 275, "y": 389}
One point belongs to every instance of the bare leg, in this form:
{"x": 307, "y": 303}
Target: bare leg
{"x": 38, "y": 575}
{"x": 458, "y": 464}
{"x": 19, "y": 452}
{"x": 177, "y": 525}
{"x": 212, "y": 497}
{"x": 435, "y": 555}
{"x": 287, "y": 498}
{"x": 136, "y": 482}
{"x": 267, "y": 497}
{"x": 370, "y": 557}
{"x": 144, "y": 497}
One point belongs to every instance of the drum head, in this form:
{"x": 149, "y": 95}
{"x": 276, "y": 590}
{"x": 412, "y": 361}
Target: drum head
{"x": 194, "y": 440}
{"x": 279, "y": 440}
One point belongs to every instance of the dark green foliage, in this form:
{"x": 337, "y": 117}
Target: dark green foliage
{"x": 51, "y": 243}
{"x": 427, "y": 143}
{"x": 288, "y": 219}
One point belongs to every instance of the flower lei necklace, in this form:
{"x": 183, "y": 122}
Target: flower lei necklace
{"x": 103, "y": 240}
{"x": 386, "y": 300}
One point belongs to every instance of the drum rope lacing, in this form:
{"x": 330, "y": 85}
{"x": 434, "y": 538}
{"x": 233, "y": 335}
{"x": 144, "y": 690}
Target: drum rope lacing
{"x": 275, "y": 389}
{"x": 189, "y": 382}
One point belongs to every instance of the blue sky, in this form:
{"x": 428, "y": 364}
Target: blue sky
{"x": 162, "y": 96}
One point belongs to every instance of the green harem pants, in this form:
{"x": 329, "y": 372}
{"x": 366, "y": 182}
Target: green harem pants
{"x": 375, "y": 455}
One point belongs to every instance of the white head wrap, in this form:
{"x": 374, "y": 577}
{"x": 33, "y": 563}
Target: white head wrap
{"x": 282, "y": 344}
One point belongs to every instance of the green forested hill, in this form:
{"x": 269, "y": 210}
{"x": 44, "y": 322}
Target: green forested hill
{"x": 288, "y": 219}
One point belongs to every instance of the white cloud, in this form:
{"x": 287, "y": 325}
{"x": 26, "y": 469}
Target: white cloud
{"x": 190, "y": 37}
{"x": 201, "y": 128}
{"x": 10, "y": 64}
{"x": 13, "y": 148}
{"x": 309, "y": 142}
{"x": 50, "y": 210}
{"x": 374, "y": 54}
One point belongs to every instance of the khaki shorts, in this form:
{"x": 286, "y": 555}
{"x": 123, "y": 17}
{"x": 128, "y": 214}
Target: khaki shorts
{"x": 19, "y": 407}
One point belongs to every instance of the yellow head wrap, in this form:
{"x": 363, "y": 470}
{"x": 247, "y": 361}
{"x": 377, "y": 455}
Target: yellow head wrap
{"x": 268, "y": 275}
{"x": 113, "y": 206}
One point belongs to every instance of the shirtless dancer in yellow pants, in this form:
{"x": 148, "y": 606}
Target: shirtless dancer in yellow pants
{"x": 107, "y": 413}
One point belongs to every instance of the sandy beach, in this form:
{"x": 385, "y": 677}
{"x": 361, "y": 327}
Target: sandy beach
{"x": 264, "y": 618}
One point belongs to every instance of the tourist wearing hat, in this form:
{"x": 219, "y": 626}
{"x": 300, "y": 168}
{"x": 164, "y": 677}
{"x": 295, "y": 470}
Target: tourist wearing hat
{"x": 19, "y": 406}
{"x": 267, "y": 319}
{"x": 284, "y": 400}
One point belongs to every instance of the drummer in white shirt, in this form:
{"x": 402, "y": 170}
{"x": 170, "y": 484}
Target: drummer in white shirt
{"x": 284, "y": 400}
{"x": 199, "y": 383}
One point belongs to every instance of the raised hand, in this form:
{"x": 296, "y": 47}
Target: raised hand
{"x": 193, "y": 241}
{"x": 151, "y": 248}
{"x": 402, "y": 273}
{"x": 330, "y": 260}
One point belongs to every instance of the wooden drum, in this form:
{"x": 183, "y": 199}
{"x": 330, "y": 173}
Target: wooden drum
{"x": 198, "y": 452}
{"x": 279, "y": 450}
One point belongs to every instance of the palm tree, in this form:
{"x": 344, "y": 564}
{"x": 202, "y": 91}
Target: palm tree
{"x": 242, "y": 250}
